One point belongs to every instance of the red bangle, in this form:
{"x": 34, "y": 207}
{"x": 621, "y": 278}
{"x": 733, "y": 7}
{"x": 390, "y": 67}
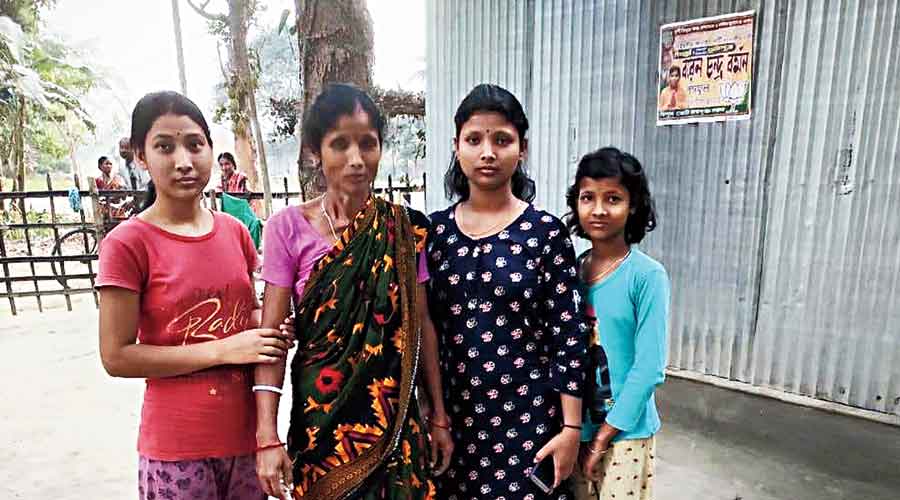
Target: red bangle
{"x": 269, "y": 446}
{"x": 440, "y": 426}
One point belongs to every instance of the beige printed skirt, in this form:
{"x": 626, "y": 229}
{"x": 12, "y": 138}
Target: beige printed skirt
{"x": 626, "y": 473}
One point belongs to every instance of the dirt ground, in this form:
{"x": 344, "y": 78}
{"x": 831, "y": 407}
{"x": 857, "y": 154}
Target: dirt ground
{"x": 69, "y": 430}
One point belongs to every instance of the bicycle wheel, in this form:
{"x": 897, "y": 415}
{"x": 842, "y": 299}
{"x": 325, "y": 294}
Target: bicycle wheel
{"x": 77, "y": 239}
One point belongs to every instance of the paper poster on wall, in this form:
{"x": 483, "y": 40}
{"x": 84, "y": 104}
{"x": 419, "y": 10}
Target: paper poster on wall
{"x": 705, "y": 69}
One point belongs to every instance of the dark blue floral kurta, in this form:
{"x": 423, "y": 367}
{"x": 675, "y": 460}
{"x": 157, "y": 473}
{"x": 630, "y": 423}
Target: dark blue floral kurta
{"x": 507, "y": 311}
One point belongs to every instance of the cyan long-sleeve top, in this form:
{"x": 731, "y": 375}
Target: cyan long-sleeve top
{"x": 632, "y": 309}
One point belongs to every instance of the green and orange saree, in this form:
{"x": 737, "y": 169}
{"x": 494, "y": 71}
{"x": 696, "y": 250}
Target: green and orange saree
{"x": 356, "y": 432}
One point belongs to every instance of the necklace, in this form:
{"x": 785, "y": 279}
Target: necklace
{"x": 490, "y": 230}
{"x": 602, "y": 274}
{"x": 328, "y": 217}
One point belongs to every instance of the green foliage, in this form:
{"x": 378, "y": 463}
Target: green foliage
{"x": 50, "y": 59}
{"x": 278, "y": 70}
{"x": 40, "y": 96}
{"x": 238, "y": 87}
{"x": 13, "y": 216}
{"x": 25, "y": 13}
{"x": 404, "y": 145}
{"x": 282, "y": 22}
{"x": 285, "y": 117}
{"x": 406, "y": 135}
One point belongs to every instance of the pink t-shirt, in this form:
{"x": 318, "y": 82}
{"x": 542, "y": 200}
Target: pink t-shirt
{"x": 292, "y": 247}
{"x": 192, "y": 289}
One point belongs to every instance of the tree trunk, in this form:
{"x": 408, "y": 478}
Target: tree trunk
{"x": 240, "y": 90}
{"x": 2, "y": 187}
{"x": 71, "y": 140}
{"x": 335, "y": 40}
{"x": 19, "y": 152}
{"x": 240, "y": 80}
{"x": 263, "y": 164}
{"x": 179, "y": 50}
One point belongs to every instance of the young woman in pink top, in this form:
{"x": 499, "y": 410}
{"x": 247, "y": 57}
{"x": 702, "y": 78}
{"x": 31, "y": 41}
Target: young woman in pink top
{"x": 177, "y": 308}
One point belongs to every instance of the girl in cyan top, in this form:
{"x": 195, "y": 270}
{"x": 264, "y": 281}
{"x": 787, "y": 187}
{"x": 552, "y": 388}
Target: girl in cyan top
{"x": 628, "y": 291}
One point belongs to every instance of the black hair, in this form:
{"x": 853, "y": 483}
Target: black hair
{"x": 335, "y": 101}
{"x": 484, "y": 98}
{"x": 611, "y": 162}
{"x": 674, "y": 68}
{"x": 228, "y": 156}
{"x": 148, "y": 110}
{"x": 101, "y": 160}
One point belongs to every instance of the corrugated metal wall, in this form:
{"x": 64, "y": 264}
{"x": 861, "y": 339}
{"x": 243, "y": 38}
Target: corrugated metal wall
{"x": 777, "y": 232}
{"x": 830, "y": 306}
{"x": 470, "y": 42}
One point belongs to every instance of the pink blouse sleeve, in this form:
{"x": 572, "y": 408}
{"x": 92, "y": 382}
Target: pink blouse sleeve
{"x": 423, "y": 275}
{"x": 279, "y": 264}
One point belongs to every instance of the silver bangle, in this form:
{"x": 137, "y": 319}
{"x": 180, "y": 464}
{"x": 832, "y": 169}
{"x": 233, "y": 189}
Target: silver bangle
{"x": 268, "y": 388}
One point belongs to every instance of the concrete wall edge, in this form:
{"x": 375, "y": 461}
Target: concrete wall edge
{"x": 797, "y": 399}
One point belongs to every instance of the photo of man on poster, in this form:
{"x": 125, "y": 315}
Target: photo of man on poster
{"x": 673, "y": 96}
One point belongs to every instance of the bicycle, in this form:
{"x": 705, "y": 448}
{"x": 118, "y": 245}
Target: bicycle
{"x": 85, "y": 238}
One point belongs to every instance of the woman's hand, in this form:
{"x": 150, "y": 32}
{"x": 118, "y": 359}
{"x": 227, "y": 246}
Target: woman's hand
{"x": 592, "y": 453}
{"x": 287, "y": 328}
{"x": 273, "y": 467}
{"x": 441, "y": 443}
{"x": 564, "y": 450}
{"x": 258, "y": 345}
{"x": 590, "y": 457}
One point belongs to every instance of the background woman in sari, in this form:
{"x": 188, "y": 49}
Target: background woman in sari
{"x": 232, "y": 180}
{"x": 349, "y": 262}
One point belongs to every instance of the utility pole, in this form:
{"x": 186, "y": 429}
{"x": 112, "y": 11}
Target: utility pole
{"x": 179, "y": 50}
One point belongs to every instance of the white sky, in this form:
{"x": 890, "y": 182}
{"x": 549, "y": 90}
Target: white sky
{"x": 132, "y": 42}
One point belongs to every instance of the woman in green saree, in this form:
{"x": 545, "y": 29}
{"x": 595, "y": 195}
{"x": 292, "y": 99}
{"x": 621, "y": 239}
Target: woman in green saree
{"x": 348, "y": 261}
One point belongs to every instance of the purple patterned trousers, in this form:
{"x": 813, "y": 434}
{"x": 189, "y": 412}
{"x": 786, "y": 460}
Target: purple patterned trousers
{"x": 231, "y": 478}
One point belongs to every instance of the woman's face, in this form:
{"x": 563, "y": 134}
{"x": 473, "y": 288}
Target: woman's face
{"x": 226, "y": 166}
{"x": 603, "y": 208}
{"x": 350, "y": 153}
{"x": 106, "y": 167}
{"x": 489, "y": 149}
{"x": 178, "y": 157}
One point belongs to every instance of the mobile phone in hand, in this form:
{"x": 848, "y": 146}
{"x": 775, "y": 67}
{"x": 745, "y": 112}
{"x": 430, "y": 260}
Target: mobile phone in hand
{"x": 543, "y": 475}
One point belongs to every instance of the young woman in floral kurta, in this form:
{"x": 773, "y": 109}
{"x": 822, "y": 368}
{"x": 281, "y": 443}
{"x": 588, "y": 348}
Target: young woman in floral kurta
{"x": 504, "y": 299}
